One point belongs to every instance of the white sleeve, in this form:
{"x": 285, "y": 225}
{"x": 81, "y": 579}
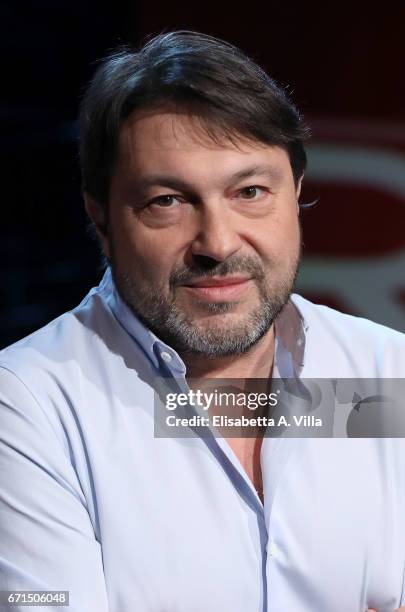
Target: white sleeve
{"x": 47, "y": 540}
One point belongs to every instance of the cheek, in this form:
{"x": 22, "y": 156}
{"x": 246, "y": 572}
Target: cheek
{"x": 288, "y": 231}
{"x": 292, "y": 236}
{"x": 278, "y": 240}
{"x": 147, "y": 254}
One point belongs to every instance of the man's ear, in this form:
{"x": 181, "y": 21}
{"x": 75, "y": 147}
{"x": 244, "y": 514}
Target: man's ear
{"x": 298, "y": 192}
{"x": 98, "y": 215}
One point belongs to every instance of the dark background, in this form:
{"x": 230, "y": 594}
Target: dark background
{"x": 345, "y": 70}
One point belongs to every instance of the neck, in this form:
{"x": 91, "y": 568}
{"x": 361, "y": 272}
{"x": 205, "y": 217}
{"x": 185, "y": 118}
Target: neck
{"x": 256, "y": 363}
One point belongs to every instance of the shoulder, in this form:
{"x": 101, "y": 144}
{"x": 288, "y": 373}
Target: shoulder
{"x": 56, "y": 376}
{"x": 75, "y": 362}
{"x": 68, "y": 355}
{"x": 339, "y": 322}
{"x": 54, "y": 344}
{"x": 370, "y": 349}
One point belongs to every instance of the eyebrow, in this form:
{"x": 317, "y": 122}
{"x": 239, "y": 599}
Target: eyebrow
{"x": 270, "y": 172}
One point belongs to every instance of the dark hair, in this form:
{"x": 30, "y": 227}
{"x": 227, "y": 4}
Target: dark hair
{"x": 208, "y": 77}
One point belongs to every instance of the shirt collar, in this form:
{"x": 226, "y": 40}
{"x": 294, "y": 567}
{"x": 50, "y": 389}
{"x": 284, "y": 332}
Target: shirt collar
{"x": 290, "y": 334}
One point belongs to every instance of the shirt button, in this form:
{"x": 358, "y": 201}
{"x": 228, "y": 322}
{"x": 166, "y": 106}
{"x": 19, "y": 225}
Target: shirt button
{"x": 272, "y": 549}
{"x": 166, "y": 356}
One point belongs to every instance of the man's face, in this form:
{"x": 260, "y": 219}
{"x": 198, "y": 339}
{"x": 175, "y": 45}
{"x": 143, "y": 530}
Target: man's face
{"x": 203, "y": 238}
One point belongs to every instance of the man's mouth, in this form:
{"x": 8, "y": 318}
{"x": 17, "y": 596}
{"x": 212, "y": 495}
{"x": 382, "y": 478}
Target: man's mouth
{"x": 220, "y": 288}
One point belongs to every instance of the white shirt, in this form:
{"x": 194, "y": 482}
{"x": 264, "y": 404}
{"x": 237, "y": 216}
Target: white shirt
{"x": 93, "y": 503}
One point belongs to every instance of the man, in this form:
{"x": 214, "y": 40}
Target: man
{"x": 192, "y": 161}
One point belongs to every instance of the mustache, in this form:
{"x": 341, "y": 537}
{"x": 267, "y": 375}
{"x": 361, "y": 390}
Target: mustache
{"x": 208, "y": 268}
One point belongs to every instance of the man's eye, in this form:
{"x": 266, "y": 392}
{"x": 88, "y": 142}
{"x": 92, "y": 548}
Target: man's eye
{"x": 251, "y": 192}
{"x": 166, "y": 201}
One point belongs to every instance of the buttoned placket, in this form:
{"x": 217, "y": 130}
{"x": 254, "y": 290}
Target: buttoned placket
{"x": 274, "y": 452}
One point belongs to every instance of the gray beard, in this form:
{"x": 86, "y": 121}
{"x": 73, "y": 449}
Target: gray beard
{"x": 163, "y": 317}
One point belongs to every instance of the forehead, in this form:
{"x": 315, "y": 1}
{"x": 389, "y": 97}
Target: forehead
{"x": 178, "y": 141}
{"x": 171, "y": 129}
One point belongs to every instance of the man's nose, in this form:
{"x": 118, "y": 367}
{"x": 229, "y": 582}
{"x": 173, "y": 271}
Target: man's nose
{"x": 217, "y": 233}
